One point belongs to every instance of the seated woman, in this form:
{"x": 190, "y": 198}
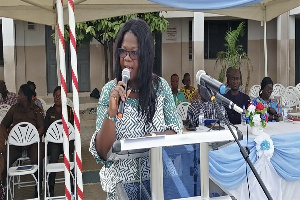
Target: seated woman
{"x": 54, "y": 149}
{"x": 187, "y": 89}
{"x": 274, "y": 110}
{"x": 24, "y": 111}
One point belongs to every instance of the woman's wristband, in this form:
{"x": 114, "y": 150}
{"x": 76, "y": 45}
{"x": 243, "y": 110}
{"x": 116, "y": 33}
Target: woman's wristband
{"x": 114, "y": 119}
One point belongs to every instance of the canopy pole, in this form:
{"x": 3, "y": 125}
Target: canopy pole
{"x": 265, "y": 48}
{"x": 59, "y": 4}
{"x": 78, "y": 159}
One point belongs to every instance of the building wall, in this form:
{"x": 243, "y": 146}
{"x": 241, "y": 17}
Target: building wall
{"x": 175, "y": 52}
{"x": 30, "y": 54}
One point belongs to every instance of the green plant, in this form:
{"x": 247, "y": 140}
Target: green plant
{"x": 234, "y": 56}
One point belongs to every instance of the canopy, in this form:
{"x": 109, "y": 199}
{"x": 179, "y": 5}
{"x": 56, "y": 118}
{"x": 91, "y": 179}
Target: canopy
{"x": 44, "y": 11}
{"x": 258, "y": 10}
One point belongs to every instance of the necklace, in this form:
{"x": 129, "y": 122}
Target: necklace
{"x": 133, "y": 90}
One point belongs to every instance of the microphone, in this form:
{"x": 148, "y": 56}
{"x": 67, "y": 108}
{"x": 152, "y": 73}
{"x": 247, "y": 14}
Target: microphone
{"x": 125, "y": 78}
{"x": 210, "y": 82}
{"x": 226, "y": 102}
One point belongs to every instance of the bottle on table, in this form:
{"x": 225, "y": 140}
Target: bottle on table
{"x": 201, "y": 118}
{"x": 243, "y": 116}
{"x": 285, "y": 113}
{"x": 222, "y": 122}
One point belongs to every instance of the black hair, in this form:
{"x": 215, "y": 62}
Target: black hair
{"x": 27, "y": 91}
{"x": 185, "y": 75}
{"x": 266, "y": 81}
{"x": 57, "y": 88}
{"x": 148, "y": 82}
{"x": 31, "y": 83}
{"x": 174, "y": 75}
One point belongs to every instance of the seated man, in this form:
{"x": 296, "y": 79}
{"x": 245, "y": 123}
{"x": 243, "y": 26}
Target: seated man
{"x": 55, "y": 149}
{"x": 236, "y": 96}
{"x": 7, "y": 97}
{"x": 24, "y": 111}
{"x": 177, "y": 95}
{"x": 208, "y": 108}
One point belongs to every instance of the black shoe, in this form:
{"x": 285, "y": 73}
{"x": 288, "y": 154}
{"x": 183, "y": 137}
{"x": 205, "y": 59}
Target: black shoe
{"x": 51, "y": 190}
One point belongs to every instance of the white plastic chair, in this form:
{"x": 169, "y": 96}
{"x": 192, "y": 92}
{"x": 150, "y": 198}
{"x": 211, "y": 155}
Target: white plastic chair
{"x": 298, "y": 86}
{"x": 254, "y": 91}
{"x": 290, "y": 99}
{"x": 70, "y": 103}
{"x": 3, "y": 110}
{"x": 55, "y": 134}
{"x": 44, "y": 105}
{"x": 278, "y": 90}
{"x": 182, "y": 109}
{"x": 297, "y": 91}
{"x": 22, "y": 134}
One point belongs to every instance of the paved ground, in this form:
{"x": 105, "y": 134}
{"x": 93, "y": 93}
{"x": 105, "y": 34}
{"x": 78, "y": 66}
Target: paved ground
{"x": 91, "y": 188}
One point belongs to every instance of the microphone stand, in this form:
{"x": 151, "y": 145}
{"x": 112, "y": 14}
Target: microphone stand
{"x": 245, "y": 155}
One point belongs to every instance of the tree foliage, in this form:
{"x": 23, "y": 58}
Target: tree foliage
{"x": 234, "y": 56}
{"x": 105, "y": 31}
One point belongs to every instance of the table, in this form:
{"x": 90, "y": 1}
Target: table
{"x": 155, "y": 144}
{"x": 280, "y": 171}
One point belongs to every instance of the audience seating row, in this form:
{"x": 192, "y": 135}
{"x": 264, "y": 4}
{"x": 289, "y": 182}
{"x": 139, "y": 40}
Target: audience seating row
{"x": 24, "y": 134}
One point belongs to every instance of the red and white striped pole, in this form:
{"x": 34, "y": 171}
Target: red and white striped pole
{"x": 78, "y": 159}
{"x": 59, "y": 6}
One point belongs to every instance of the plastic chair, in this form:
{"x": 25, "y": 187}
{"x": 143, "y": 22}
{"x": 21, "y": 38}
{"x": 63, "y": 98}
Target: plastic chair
{"x": 70, "y": 103}
{"x": 278, "y": 90}
{"x": 3, "y": 110}
{"x": 55, "y": 134}
{"x": 22, "y": 134}
{"x": 290, "y": 99}
{"x": 182, "y": 109}
{"x": 254, "y": 91}
{"x": 298, "y": 86}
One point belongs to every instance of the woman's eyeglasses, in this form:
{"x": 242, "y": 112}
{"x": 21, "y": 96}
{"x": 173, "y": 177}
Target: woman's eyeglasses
{"x": 134, "y": 55}
{"x": 57, "y": 96}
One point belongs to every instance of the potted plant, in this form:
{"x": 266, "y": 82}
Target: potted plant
{"x": 234, "y": 56}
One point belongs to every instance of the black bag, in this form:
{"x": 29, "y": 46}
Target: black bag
{"x": 95, "y": 93}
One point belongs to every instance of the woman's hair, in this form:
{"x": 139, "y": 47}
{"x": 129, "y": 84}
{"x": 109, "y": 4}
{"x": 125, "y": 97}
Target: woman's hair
{"x": 184, "y": 76}
{"x": 27, "y": 91}
{"x": 148, "y": 82}
{"x": 265, "y": 82}
{"x": 32, "y": 87}
{"x": 57, "y": 88}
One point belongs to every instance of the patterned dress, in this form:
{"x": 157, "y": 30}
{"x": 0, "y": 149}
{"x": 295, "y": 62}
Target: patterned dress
{"x": 133, "y": 125}
{"x": 273, "y": 103}
{"x": 188, "y": 93}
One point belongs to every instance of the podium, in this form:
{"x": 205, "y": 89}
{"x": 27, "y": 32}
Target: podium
{"x": 132, "y": 148}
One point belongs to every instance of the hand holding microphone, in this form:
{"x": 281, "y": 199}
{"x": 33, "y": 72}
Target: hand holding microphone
{"x": 118, "y": 96}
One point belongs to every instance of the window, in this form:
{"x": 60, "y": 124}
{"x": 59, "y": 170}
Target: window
{"x": 1, "y": 47}
{"x": 190, "y": 40}
{"x": 214, "y": 33}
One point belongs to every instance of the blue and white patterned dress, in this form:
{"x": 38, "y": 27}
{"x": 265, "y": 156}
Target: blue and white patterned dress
{"x": 133, "y": 125}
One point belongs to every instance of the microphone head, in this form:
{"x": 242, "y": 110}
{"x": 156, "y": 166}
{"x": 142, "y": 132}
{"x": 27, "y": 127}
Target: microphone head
{"x": 126, "y": 73}
{"x": 198, "y": 75}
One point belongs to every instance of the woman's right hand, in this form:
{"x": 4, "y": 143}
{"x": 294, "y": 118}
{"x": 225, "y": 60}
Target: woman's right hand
{"x": 116, "y": 94}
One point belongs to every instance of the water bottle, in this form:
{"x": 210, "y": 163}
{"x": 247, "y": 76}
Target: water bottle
{"x": 243, "y": 116}
{"x": 72, "y": 196}
{"x": 222, "y": 122}
{"x": 285, "y": 113}
{"x": 201, "y": 118}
